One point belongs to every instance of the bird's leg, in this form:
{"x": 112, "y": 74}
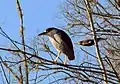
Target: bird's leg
{"x": 65, "y": 60}
{"x": 57, "y": 56}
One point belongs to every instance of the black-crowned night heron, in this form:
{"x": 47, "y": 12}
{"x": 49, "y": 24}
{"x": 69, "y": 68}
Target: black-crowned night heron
{"x": 61, "y": 41}
{"x": 89, "y": 42}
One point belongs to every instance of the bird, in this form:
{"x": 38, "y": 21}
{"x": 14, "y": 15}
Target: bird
{"x": 61, "y": 41}
{"x": 88, "y": 42}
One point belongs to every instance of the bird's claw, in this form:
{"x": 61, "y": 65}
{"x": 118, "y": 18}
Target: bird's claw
{"x": 65, "y": 63}
{"x": 54, "y": 61}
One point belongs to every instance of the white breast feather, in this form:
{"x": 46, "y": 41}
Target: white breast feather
{"x": 57, "y": 43}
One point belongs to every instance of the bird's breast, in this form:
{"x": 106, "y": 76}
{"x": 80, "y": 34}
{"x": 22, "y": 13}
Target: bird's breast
{"x": 56, "y": 41}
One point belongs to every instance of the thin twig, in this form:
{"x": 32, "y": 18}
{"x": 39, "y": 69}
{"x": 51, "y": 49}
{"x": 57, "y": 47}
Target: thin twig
{"x": 4, "y": 73}
{"x": 14, "y": 74}
{"x": 23, "y": 40}
{"x": 95, "y": 40}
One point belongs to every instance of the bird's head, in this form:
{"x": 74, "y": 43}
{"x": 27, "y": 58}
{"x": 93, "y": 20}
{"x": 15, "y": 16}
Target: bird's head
{"x": 49, "y": 31}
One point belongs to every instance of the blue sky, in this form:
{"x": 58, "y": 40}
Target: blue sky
{"x": 38, "y": 15}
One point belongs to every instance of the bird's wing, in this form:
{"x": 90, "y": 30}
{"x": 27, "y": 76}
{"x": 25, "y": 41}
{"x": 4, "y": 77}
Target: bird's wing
{"x": 66, "y": 40}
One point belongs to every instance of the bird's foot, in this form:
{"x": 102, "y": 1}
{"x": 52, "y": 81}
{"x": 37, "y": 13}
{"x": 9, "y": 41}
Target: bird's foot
{"x": 54, "y": 61}
{"x": 65, "y": 63}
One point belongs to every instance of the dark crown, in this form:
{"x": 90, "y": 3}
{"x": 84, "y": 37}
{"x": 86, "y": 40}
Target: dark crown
{"x": 50, "y": 29}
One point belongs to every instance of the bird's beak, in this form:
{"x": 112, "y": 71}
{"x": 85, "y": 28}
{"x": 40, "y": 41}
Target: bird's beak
{"x": 44, "y": 33}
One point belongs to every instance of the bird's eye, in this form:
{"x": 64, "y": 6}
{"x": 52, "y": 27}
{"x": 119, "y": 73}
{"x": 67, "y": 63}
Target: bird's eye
{"x": 89, "y": 41}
